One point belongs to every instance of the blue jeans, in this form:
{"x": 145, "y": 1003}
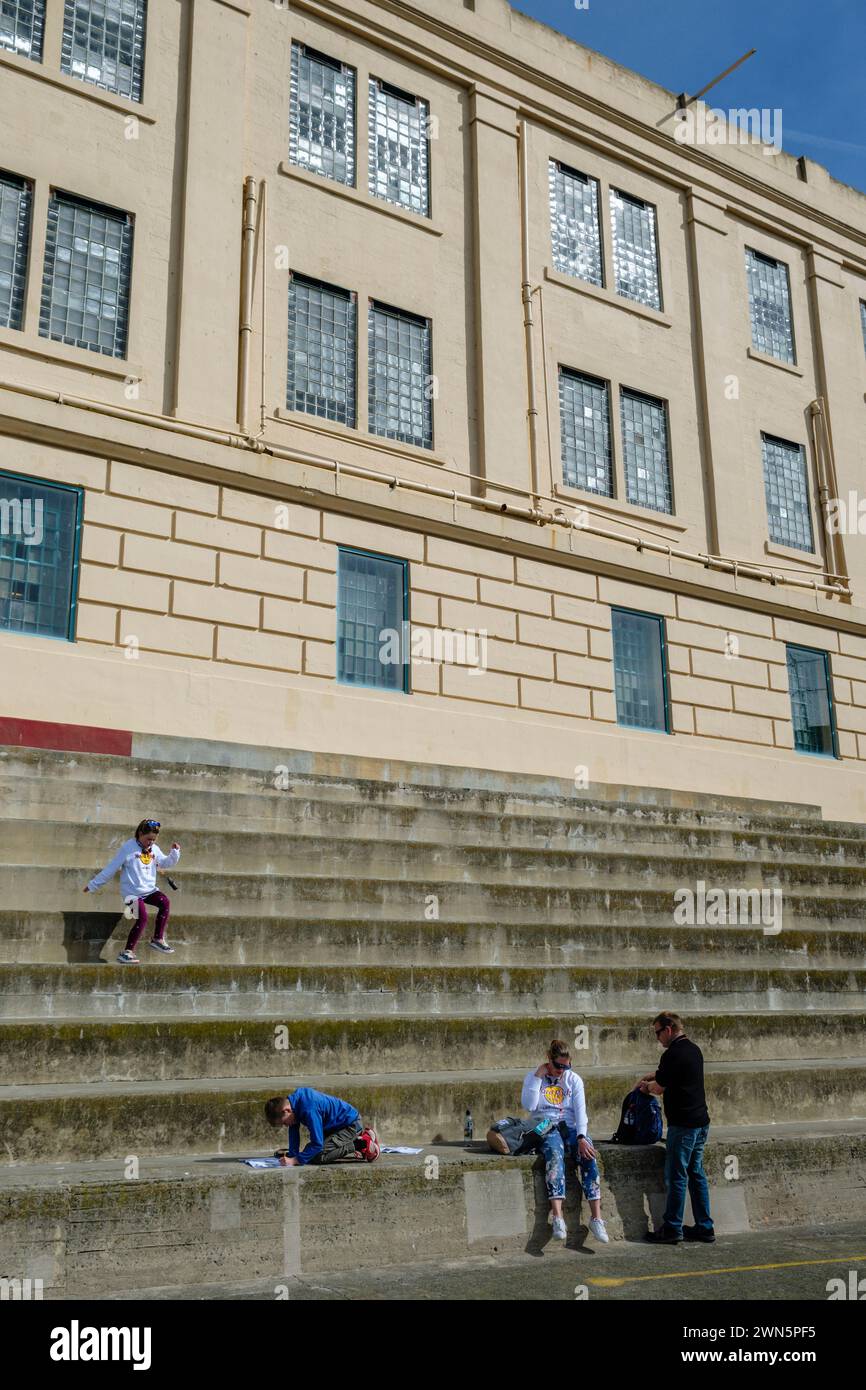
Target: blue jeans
{"x": 552, "y": 1148}
{"x": 684, "y": 1169}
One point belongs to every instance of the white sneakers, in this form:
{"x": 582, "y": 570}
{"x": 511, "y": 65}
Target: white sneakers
{"x": 596, "y": 1226}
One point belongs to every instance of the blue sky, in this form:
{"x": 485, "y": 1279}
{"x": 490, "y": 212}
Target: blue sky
{"x": 811, "y": 60}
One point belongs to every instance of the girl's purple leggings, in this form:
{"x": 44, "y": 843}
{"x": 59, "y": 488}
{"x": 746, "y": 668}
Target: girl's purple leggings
{"x": 163, "y": 906}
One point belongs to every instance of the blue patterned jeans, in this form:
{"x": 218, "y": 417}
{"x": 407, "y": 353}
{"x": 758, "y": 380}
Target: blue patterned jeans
{"x": 553, "y": 1147}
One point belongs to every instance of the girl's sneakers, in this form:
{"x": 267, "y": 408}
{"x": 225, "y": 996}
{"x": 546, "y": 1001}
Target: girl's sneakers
{"x": 599, "y": 1230}
{"x": 128, "y": 958}
{"x": 162, "y": 946}
{"x": 559, "y": 1231}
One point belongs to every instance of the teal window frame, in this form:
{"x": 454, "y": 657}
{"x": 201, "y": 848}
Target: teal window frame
{"x": 831, "y": 711}
{"x": 403, "y": 687}
{"x": 78, "y": 494}
{"x": 663, "y": 659}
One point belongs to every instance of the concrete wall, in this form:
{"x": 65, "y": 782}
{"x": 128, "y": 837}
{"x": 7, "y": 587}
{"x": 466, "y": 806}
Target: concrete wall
{"x": 232, "y": 602}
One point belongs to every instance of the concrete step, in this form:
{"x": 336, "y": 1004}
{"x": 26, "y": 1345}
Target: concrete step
{"x": 86, "y": 783}
{"x": 309, "y": 817}
{"x": 163, "y": 986}
{"x": 646, "y": 896}
{"x": 80, "y": 1051}
{"x": 66, "y": 937}
{"x": 114, "y": 1119}
{"x": 57, "y": 844}
{"x": 87, "y": 1231}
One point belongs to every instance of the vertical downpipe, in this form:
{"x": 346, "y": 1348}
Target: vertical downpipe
{"x": 526, "y": 295}
{"x": 248, "y": 253}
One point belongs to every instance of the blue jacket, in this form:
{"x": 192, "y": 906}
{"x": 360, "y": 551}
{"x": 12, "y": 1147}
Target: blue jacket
{"x": 321, "y": 1115}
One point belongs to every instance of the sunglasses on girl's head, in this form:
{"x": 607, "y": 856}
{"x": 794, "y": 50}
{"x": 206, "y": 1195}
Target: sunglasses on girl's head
{"x": 561, "y": 1066}
{"x": 151, "y": 825}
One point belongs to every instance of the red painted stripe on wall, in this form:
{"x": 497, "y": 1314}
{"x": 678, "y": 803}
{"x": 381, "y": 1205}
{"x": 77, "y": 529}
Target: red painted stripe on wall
{"x": 66, "y": 738}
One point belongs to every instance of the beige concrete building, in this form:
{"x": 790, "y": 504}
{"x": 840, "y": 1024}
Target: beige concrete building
{"x": 324, "y": 317}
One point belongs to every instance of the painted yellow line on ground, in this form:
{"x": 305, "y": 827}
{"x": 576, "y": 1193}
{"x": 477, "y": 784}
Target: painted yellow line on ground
{"x": 603, "y": 1282}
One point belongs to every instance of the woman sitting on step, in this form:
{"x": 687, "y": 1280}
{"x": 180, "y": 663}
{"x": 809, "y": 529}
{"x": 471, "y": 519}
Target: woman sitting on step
{"x": 555, "y": 1092}
{"x": 138, "y": 860}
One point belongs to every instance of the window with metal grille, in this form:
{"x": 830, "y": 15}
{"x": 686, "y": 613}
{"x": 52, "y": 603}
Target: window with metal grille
{"x": 811, "y": 702}
{"x": 863, "y": 320}
{"x": 372, "y": 619}
{"x": 400, "y": 402}
{"x": 322, "y": 115}
{"x": 85, "y": 288}
{"x": 584, "y": 417}
{"x": 15, "y": 201}
{"x": 787, "y": 492}
{"x": 322, "y": 339}
{"x": 40, "y": 528}
{"x": 640, "y": 675}
{"x": 574, "y": 225}
{"x": 398, "y": 147}
{"x": 103, "y": 43}
{"x": 645, "y": 452}
{"x": 22, "y": 25}
{"x": 770, "y": 306}
{"x": 635, "y": 249}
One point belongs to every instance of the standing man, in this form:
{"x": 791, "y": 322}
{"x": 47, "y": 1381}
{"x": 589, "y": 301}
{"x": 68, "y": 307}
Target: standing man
{"x": 680, "y": 1080}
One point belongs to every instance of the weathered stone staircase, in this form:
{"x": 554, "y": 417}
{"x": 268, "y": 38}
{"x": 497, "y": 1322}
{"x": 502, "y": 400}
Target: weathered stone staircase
{"x": 413, "y": 947}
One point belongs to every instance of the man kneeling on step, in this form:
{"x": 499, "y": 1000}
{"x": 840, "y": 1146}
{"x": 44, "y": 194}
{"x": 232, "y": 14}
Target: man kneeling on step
{"x": 335, "y": 1129}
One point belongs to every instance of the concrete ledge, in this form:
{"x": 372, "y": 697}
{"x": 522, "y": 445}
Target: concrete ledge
{"x": 49, "y": 1123}
{"x": 86, "y": 1232}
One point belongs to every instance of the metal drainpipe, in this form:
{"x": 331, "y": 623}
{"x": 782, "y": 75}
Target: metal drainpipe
{"x": 526, "y": 296}
{"x": 828, "y": 485}
{"x": 248, "y": 257}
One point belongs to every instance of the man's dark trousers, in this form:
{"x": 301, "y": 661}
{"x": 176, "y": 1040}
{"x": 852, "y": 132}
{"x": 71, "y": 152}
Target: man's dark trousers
{"x": 684, "y": 1170}
{"x": 339, "y": 1143}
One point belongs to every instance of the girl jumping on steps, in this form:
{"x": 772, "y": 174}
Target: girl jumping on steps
{"x": 138, "y": 860}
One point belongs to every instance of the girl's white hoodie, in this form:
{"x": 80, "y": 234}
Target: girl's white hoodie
{"x": 561, "y": 1097}
{"x": 137, "y": 869}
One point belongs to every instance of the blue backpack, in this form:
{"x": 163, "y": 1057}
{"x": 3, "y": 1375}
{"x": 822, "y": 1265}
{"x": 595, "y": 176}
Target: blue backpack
{"x": 640, "y": 1120}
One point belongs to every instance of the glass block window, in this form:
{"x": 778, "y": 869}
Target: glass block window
{"x": 770, "y": 306}
{"x": 400, "y": 381}
{"x": 574, "y": 225}
{"x": 322, "y": 343}
{"x": 85, "y": 289}
{"x": 787, "y": 492}
{"x": 40, "y": 526}
{"x": 322, "y": 115}
{"x": 103, "y": 43}
{"x": 15, "y": 200}
{"x": 811, "y": 702}
{"x": 372, "y": 608}
{"x": 584, "y": 418}
{"x": 645, "y": 452}
{"x": 863, "y": 321}
{"x": 22, "y": 25}
{"x": 635, "y": 249}
{"x": 398, "y": 147}
{"x": 640, "y": 677}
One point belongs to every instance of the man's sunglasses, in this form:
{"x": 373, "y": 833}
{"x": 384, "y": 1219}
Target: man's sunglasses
{"x": 151, "y": 825}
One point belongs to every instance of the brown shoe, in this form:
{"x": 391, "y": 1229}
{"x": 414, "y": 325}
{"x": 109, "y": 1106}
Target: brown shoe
{"x": 497, "y": 1142}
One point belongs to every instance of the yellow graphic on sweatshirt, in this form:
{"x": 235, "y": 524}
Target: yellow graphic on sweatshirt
{"x": 554, "y": 1095}
{"x": 145, "y": 857}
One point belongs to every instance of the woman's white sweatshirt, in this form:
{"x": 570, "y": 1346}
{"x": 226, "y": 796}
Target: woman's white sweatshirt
{"x": 137, "y": 869}
{"x": 561, "y": 1097}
